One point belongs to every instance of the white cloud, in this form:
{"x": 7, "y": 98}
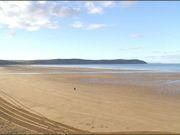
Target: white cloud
{"x": 127, "y": 4}
{"x": 92, "y": 8}
{"x": 96, "y": 26}
{"x": 35, "y": 15}
{"x": 107, "y": 3}
{"x": 42, "y": 2}
{"x": 98, "y": 7}
{"x": 80, "y": 25}
{"x": 32, "y": 15}
{"x": 64, "y": 11}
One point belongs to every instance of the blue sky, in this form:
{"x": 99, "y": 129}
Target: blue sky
{"x": 91, "y": 30}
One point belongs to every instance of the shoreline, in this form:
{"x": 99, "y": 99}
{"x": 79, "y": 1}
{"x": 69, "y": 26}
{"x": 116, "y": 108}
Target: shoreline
{"x": 75, "y": 69}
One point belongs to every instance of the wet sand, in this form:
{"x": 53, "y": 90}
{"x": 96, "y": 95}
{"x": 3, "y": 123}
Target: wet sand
{"x": 101, "y": 102}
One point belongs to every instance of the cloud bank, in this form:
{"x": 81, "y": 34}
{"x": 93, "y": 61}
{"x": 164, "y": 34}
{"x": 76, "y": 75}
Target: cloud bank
{"x": 34, "y": 15}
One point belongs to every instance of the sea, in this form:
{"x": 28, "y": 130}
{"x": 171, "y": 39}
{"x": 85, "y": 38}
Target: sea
{"x": 126, "y": 67}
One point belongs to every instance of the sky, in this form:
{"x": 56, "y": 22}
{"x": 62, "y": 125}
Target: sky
{"x": 146, "y": 30}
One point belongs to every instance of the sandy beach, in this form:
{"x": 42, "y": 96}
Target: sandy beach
{"x": 95, "y": 100}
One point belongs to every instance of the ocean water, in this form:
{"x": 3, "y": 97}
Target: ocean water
{"x": 136, "y": 67}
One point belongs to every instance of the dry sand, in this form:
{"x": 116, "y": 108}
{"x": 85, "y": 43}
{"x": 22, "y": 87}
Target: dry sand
{"x": 103, "y": 102}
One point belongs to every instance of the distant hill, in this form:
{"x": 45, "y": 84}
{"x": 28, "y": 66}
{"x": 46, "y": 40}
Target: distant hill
{"x": 71, "y": 61}
{"x": 7, "y": 62}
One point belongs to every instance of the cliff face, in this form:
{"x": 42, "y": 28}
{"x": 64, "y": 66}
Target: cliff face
{"x": 72, "y": 61}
